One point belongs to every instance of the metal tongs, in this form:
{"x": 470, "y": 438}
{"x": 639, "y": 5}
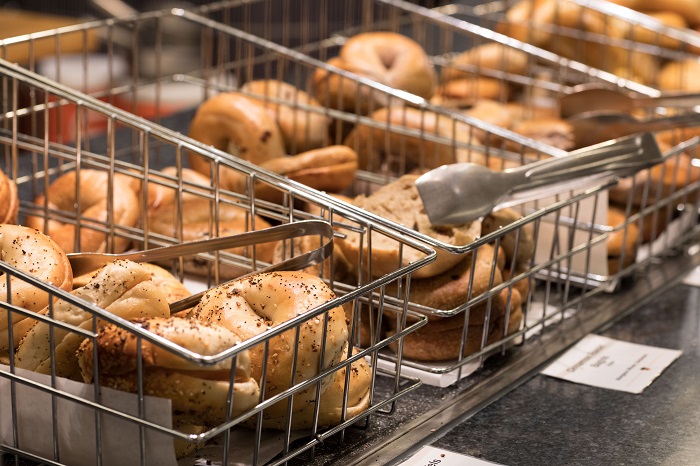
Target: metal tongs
{"x": 90, "y": 261}
{"x": 463, "y": 192}
{"x": 595, "y": 97}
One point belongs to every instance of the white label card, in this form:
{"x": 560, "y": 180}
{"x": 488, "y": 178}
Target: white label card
{"x": 607, "y": 363}
{"x": 431, "y": 456}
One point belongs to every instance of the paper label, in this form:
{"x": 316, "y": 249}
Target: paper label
{"x": 431, "y": 456}
{"x": 607, "y": 363}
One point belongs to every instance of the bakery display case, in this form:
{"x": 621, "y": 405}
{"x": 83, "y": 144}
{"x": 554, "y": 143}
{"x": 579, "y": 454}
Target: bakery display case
{"x": 290, "y": 127}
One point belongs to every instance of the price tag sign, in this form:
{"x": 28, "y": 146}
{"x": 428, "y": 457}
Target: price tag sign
{"x": 431, "y": 456}
{"x": 608, "y": 363}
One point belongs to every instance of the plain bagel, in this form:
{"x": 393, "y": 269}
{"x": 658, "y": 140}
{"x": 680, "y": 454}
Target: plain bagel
{"x": 386, "y": 57}
{"x": 98, "y": 209}
{"x": 238, "y": 125}
{"x": 302, "y": 129}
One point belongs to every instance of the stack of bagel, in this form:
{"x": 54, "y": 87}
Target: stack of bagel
{"x": 556, "y": 25}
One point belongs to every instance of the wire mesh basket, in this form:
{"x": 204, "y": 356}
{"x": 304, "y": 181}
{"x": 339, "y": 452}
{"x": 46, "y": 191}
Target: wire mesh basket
{"x": 516, "y": 279}
{"x": 134, "y": 155}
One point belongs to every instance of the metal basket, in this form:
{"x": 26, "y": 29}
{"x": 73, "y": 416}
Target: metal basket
{"x": 138, "y": 150}
{"x": 232, "y": 47}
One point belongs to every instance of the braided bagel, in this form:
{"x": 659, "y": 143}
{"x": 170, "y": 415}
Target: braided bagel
{"x": 98, "y": 209}
{"x": 199, "y": 393}
{"x": 252, "y": 305}
{"x": 122, "y": 288}
{"x": 34, "y": 253}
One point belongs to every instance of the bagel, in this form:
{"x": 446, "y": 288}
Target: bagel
{"x": 198, "y": 393}
{"x": 467, "y": 92}
{"x": 458, "y": 285}
{"x": 384, "y": 149}
{"x": 688, "y": 9}
{"x": 441, "y": 340}
{"x": 386, "y": 57}
{"x": 36, "y": 254}
{"x": 254, "y": 304}
{"x": 9, "y": 200}
{"x": 492, "y": 56}
{"x": 518, "y": 245}
{"x": 122, "y": 288}
{"x": 190, "y": 216}
{"x": 680, "y": 76}
{"x": 331, "y": 169}
{"x": 552, "y": 131}
{"x": 84, "y": 196}
{"x": 400, "y": 202}
{"x": 330, "y": 411}
{"x": 622, "y": 242}
{"x": 302, "y": 130}
{"x": 658, "y": 182}
{"x": 238, "y": 125}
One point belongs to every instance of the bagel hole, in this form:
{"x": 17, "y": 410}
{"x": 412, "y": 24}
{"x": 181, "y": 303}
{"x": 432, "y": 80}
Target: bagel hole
{"x": 387, "y": 56}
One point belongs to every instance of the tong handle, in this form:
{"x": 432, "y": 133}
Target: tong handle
{"x": 621, "y": 157}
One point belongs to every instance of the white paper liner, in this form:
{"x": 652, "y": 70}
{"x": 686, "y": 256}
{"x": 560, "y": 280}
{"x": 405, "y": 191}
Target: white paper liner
{"x": 76, "y": 427}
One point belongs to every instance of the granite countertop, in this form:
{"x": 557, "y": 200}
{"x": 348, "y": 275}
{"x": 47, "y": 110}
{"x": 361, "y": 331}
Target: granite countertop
{"x": 547, "y": 421}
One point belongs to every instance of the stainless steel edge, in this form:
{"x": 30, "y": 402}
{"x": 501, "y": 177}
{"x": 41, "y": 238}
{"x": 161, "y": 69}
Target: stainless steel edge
{"x": 527, "y": 362}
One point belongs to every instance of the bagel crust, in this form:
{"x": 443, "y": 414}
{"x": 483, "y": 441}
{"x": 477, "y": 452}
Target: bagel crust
{"x": 97, "y": 209}
{"x": 254, "y": 304}
{"x": 9, "y": 200}
{"x": 122, "y": 287}
{"x": 199, "y": 393}
{"x": 34, "y": 253}
{"x": 386, "y": 57}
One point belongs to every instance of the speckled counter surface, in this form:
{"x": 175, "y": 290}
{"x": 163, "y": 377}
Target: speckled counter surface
{"x": 547, "y": 421}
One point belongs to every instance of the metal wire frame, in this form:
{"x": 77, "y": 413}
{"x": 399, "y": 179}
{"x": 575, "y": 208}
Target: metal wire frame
{"x": 319, "y": 33}
{"x": 241, "y": 54}
{"x": 34, "y": 161}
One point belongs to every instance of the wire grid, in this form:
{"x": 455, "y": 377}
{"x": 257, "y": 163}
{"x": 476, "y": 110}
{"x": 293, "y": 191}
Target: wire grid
{"x": 138, "y": 151}
{"x": 228, "y": 57}
{"x": 647, "y": 204}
